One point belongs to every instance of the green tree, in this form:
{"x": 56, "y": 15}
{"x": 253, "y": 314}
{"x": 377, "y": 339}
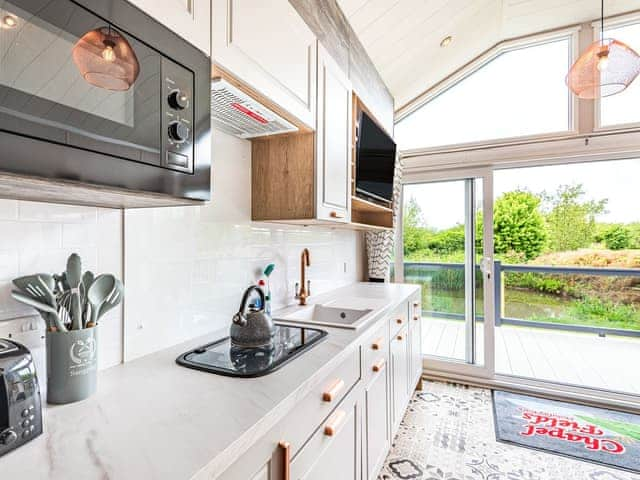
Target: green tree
{"x": 518, "y": 224}
{"x": 617, "y": 237}
{"x": 413, "y": 227}
{"x": 571, "y": 219}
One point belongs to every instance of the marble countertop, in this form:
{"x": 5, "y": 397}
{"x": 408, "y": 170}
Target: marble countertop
{"x": 153, "y": 419}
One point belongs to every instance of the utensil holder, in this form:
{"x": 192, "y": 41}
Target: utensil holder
{"x": 72, "y": 365}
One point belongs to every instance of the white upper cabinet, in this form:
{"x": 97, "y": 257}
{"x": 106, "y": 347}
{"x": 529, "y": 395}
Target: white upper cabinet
{"x": 333, "y": 141}
{"x": 191, "y": 19}
{"x": 267, "y": 45}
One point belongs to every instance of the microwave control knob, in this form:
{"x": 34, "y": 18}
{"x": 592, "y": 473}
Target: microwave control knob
{"x": 178, "y": 100}
{"x": 178, "y": 132}
{"x": 8, "y": 437}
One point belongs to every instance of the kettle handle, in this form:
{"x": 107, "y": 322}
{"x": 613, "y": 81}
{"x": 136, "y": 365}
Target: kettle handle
{"x": 239, "y": 317}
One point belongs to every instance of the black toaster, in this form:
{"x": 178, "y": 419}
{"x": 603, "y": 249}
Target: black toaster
{"x": 20, "y": 407}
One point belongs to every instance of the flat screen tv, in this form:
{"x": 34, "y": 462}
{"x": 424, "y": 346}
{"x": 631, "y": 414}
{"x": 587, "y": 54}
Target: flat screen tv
{"x": 375, "y": 161}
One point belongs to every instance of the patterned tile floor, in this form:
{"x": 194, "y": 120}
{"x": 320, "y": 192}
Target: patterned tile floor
{"x": 448, "y": 434}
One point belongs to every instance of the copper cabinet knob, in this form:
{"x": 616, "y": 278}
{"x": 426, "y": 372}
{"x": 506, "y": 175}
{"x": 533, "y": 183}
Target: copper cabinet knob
{"x": 333, "y": 390}
{"x": 379, "y": 365}
{"x": 400, "y": 337}
{"x": 377, "y": 344}
{"x": 285, "y": 447}
{"x": 399, "y": 321}
{"x": 332, "y": 426}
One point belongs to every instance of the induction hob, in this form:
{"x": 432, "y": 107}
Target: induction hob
{"x": 223, "y": 358}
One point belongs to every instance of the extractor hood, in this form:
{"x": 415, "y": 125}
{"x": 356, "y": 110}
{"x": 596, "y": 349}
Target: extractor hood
{"x": 235, "y": 112}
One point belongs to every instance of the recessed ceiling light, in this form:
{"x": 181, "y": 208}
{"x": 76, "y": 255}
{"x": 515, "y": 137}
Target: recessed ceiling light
{"x": 446, "y": 41}
{"x": 9, "y": 21}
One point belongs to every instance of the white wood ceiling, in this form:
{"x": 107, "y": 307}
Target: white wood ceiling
{"x": 403, "y": 37}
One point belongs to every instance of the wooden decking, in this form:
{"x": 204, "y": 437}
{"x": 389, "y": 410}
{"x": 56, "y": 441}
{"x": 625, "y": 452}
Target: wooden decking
{"x": 611, "y": 363}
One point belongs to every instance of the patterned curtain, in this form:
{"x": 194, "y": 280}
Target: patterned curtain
{"x": 380, "y": 244}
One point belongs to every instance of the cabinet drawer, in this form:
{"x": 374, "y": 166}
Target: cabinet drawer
{"x": 333, "y": 452}
{"x": 299, "y": 424}
{"x": 398, "y": 319}
{"x": 376, "y": 352}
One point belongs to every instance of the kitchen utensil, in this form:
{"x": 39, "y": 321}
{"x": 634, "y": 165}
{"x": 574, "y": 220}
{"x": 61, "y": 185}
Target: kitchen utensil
{"x": 113, "y": 300}
{"x": 87, "y": 280}
{"x": 100, "y": 290}
{"x": 30, "y": 285}
{"x": 255, "y": 328}
{"x": 74, "y": 277}
{"x": 41, "y": 307}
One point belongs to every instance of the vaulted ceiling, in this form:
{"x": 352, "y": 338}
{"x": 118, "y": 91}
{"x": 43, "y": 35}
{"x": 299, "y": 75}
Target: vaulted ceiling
{"x": 403, "y": 37}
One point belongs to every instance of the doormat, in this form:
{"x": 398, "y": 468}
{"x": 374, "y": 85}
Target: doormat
{"x": 586, "y": 433}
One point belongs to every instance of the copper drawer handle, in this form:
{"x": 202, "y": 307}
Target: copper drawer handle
{"x": 399, "y": 321}
{"x": 286, "y": 459}
{"x": 416, "y": 317}
{"x": 333, "y": 391}
{"x": 377, "y": 344}
{"x": 379, "y": 365}
{"x": 416, "y": 304}
{"x": 400, "y": 337}
{"x": 336, "y": 215}
{"x": 334, "y": 423}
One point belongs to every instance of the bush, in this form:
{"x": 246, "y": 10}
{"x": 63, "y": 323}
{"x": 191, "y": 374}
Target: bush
{"x": 518, "y": 225}
{"x": 596, "y": 308}
{"x": 617, "y": 237}
{"x": 447, "y": 241}
{"x": 539, "y": 282}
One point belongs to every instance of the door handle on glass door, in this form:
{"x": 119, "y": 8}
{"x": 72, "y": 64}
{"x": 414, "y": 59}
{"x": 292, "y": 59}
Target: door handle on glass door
{"x": 486, "y": 265}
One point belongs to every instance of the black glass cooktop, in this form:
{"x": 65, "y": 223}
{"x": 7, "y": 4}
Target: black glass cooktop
{"x": 225, "y": 359}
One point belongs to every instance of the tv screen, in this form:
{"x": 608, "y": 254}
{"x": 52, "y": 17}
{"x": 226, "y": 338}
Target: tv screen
{"x": 375, "y": 161}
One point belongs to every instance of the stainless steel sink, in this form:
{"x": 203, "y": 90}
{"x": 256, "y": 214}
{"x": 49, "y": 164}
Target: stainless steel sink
{"x": 331, "y": 316}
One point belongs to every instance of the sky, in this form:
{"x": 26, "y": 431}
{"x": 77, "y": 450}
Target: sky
{"x": 618, "y": 181}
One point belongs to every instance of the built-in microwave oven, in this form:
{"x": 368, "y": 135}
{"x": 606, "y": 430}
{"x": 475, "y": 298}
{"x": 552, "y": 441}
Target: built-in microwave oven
{"x": 98, "y": 92}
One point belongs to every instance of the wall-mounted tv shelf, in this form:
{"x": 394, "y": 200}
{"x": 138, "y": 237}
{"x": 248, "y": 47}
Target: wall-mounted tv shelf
{"x": 365, "y": 214}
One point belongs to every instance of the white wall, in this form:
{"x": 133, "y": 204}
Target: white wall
{"x": 38, "y": 237}
{"x": 186, "y": 267}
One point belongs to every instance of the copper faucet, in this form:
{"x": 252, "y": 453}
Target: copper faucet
{"x": 304, "y": 291}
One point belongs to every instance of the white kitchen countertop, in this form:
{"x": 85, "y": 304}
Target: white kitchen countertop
{"x": 152, "y": 419}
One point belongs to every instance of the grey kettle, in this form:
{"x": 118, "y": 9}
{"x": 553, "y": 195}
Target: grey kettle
{"x": 254, "y": 328}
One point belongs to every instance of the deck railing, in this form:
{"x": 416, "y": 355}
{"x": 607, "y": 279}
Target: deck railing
{"x": 499, "y": 293}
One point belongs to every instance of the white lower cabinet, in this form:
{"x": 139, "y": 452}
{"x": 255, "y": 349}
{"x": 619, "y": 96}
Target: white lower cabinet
{"x": 399, "y": 351}
{"x": 376, "y": 415}
{"x": 333, "y": 452}
{"x": 342, "y": 429}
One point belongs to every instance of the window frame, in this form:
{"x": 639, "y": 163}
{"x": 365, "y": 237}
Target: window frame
{"x": 571, "y": 34}
{"x": 617, "y": 22}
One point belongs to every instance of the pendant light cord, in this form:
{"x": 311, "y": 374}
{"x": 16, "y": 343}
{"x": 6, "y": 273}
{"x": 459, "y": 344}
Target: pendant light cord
{"x": 602, "y": 21}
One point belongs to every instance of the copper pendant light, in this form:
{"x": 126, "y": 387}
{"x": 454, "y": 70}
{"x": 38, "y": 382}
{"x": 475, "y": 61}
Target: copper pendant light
{"x": 105, "y": 59}
{"x": 607, "y": 67}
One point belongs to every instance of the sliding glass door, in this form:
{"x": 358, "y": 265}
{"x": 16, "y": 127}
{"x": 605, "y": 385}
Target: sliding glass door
{"x": 444, "y": 242}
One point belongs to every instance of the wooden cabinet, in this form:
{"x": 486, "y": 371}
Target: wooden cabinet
{"x": 306, "y": 177}
{"x": 333, "y": 141}
{"x": 191, "y": 19}
{"x": 268, "y": 46}
{"x": 399, "y": 351}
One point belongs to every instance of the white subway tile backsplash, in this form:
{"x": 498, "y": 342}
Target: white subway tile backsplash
{"x": 222, "y": 253}
{"x": 39, "y": 237}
